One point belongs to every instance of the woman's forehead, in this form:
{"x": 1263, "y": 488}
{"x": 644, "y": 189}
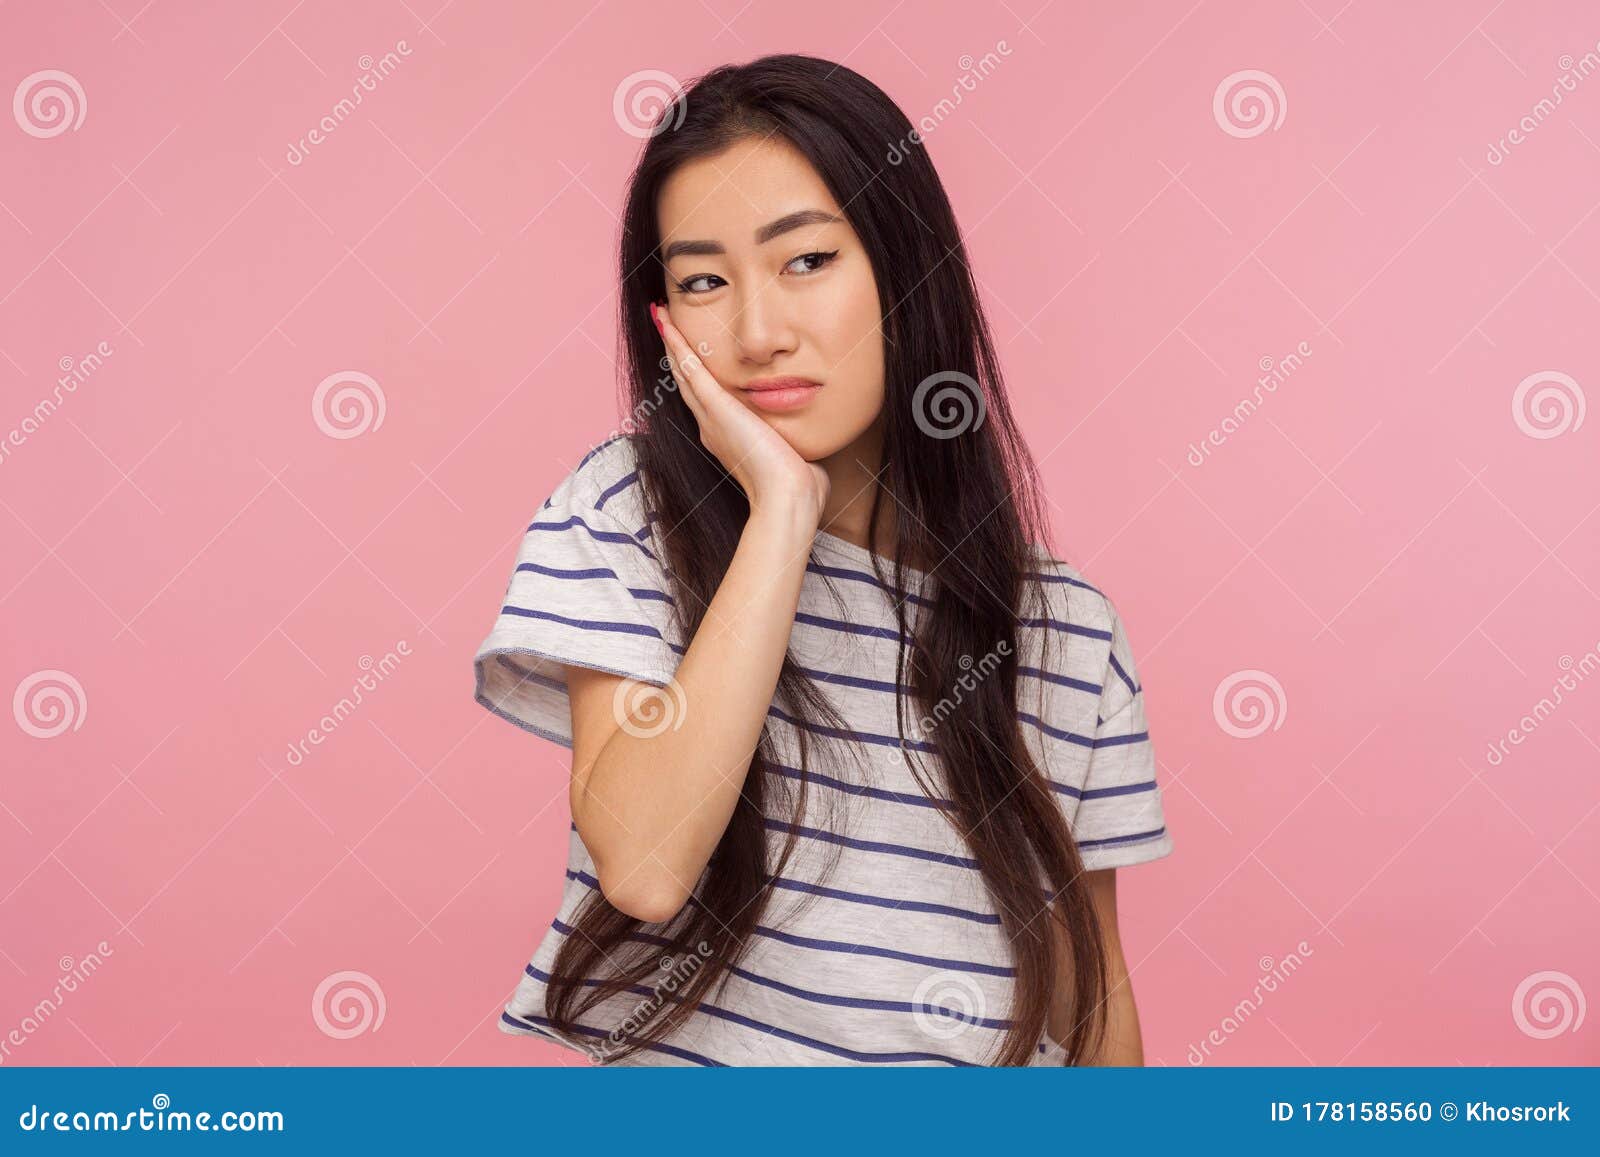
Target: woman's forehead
{"x": 728, "y": 196}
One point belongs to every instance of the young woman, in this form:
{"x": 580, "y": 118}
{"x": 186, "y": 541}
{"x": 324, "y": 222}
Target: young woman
{"x": 854, "y": 757}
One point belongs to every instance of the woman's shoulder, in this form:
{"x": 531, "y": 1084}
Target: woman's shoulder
{"x": 604, "y": 484}
{"x": 1070, "y": 596}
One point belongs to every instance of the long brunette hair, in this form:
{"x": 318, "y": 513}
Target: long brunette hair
{"x": 969, "y": 502}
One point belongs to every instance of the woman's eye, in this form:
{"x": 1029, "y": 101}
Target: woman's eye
{"x": 686, "y": 285}
{"x": 815, "y": 262}
{"x": 821, "y": 259}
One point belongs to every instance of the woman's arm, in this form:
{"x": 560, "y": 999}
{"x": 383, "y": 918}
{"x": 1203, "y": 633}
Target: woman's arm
{"x": 651, "y": 808}
{"x": 1122, "y": 1040}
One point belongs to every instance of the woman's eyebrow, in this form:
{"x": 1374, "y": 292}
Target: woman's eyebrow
{"x": 789, "y": 221}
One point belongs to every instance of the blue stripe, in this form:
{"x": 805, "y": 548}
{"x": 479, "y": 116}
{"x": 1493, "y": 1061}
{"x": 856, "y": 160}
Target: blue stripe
{"x": 1117, "y": 667}
{"x": 860, "y": 789}
{"x": 584, "y": 461}
{"x": 597, "y": 535}
{"x": 1056, "y": 732}
{"x": 1117, "y": 740}
{"x": 871, "y": 845}
{"x": 917, "y": 745}
{"x": 885, "y": 902}
{"x": 710, "y": 1009}
{"x": 861, "y": 576}
{"x": 1135, "y": 838}
{"x": 644, "y": 594}
{"x": 582, "y": 624}
{"x": 533, "y": 1022}
{"x": 591, "y": 883}
{"x": 1064, "y": 680}
{"x": 615, "y": 488}
{"x": 828, "y": 998}
{"x": 847, "y": 628}
{"x": 1068, "y": 628}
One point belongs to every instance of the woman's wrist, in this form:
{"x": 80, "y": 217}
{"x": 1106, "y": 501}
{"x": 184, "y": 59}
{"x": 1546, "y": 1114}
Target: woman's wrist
{"x": 785, "y": 522}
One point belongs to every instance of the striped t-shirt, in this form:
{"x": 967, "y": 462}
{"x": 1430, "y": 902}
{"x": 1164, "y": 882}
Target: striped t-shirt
{"x": 880, "y": 944}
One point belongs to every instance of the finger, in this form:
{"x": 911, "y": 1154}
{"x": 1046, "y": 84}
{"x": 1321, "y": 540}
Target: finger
{"x": 688, "y": 360}
{"x": 673, "y": 361}
{"x": 684, "y": 388}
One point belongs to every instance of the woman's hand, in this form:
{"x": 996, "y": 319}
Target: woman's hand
{"x": 770, "y": 470}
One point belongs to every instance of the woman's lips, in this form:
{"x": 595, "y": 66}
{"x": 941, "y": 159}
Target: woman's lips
{"x": 777, "y": 395}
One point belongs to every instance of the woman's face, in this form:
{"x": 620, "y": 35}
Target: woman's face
{"x": 761, "y": 304}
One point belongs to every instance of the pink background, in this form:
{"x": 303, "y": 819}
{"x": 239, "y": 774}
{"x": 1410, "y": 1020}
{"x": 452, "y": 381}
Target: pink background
{"x": 1384, "y": 537}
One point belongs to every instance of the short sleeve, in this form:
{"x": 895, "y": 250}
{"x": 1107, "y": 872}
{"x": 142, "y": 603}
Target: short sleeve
{"x": 587, "y": 590}
{"x": 1120, "y": 819}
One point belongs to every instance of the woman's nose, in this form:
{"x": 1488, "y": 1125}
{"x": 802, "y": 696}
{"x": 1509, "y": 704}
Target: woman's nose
{"x": 761, "y": 327}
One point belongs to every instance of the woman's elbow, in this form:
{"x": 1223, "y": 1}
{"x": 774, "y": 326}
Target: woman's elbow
{"x": 643, "y": 898}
